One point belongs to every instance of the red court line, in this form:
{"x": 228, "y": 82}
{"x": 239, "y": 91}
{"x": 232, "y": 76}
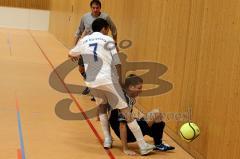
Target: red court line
{"x": 110, "y": 154}
{"x": 19, "y": 154}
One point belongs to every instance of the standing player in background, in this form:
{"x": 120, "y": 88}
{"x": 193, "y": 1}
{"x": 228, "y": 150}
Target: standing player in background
{"x": 85, "y": 28}
{"x": 103, "y": 70}
{"x": 151, "y": 124}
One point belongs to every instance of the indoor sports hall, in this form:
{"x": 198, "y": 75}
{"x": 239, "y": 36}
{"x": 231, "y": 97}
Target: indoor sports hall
{"x": 186, "y": 51}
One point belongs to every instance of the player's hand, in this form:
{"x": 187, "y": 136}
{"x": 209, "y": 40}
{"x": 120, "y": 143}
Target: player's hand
{"x": 74, "y": 59}
{"x": 129, "y": 152}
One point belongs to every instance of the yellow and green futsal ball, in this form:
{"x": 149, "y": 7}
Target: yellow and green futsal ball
{"x": 189, "y": 131}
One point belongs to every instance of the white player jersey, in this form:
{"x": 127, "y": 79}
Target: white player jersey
{"x": 100, "y": 57}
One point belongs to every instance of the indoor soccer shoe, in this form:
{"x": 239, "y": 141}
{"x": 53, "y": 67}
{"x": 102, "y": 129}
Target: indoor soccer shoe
{"x": 107, "y": 144}
{"x": 164, "y": 147}
{"x": 147, "y": 149}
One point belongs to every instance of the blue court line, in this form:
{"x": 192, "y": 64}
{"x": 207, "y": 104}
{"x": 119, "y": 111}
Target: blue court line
{"x": 20, "y": 133}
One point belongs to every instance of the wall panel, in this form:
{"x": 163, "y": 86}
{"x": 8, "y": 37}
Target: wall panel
{"x": 198, "y": 42}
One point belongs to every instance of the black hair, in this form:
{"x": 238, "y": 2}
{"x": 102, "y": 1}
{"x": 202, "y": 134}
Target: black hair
{"x": 97, "y": 2}
{"x": 98, "y": 24}
{"x": 132, "y": 80}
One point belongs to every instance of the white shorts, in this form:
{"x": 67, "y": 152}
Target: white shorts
{"x": 111, "y": 94}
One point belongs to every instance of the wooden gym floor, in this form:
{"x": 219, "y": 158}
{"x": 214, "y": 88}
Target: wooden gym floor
{"x": 30, "y": 127}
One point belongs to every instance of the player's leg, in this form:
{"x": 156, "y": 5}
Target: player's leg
{"x": 117, "y": 100}
{"x": 153, "y": 116}
{"x": 157, "y": 134}
{"x": 119, "y": 124}
{"x": 101, "y": 102}
{"x": 83, "y": 73}
{"x": 155, "y": 121}
{"x": 103, "y": 117}
{"x": 145, "y": 148}
{"x": 156, "y": 125}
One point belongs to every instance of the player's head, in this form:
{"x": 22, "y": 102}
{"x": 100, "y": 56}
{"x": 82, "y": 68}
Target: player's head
{"x": 133, "y": 85}
{"x": 95, "y": 7}
{"x": 100, "y": 25}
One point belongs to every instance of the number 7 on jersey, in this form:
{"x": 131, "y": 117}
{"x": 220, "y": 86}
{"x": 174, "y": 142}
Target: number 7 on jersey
{"x": 94, "y": 45}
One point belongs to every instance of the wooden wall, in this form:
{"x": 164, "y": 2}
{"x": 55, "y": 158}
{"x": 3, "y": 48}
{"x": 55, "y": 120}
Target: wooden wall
{"x": 198, "y": 41}
{"x": 34, "y": 4}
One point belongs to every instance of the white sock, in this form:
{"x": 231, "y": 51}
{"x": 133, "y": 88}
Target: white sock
{"x": 105, "y": 126}
{"x": 136, "y": 130}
